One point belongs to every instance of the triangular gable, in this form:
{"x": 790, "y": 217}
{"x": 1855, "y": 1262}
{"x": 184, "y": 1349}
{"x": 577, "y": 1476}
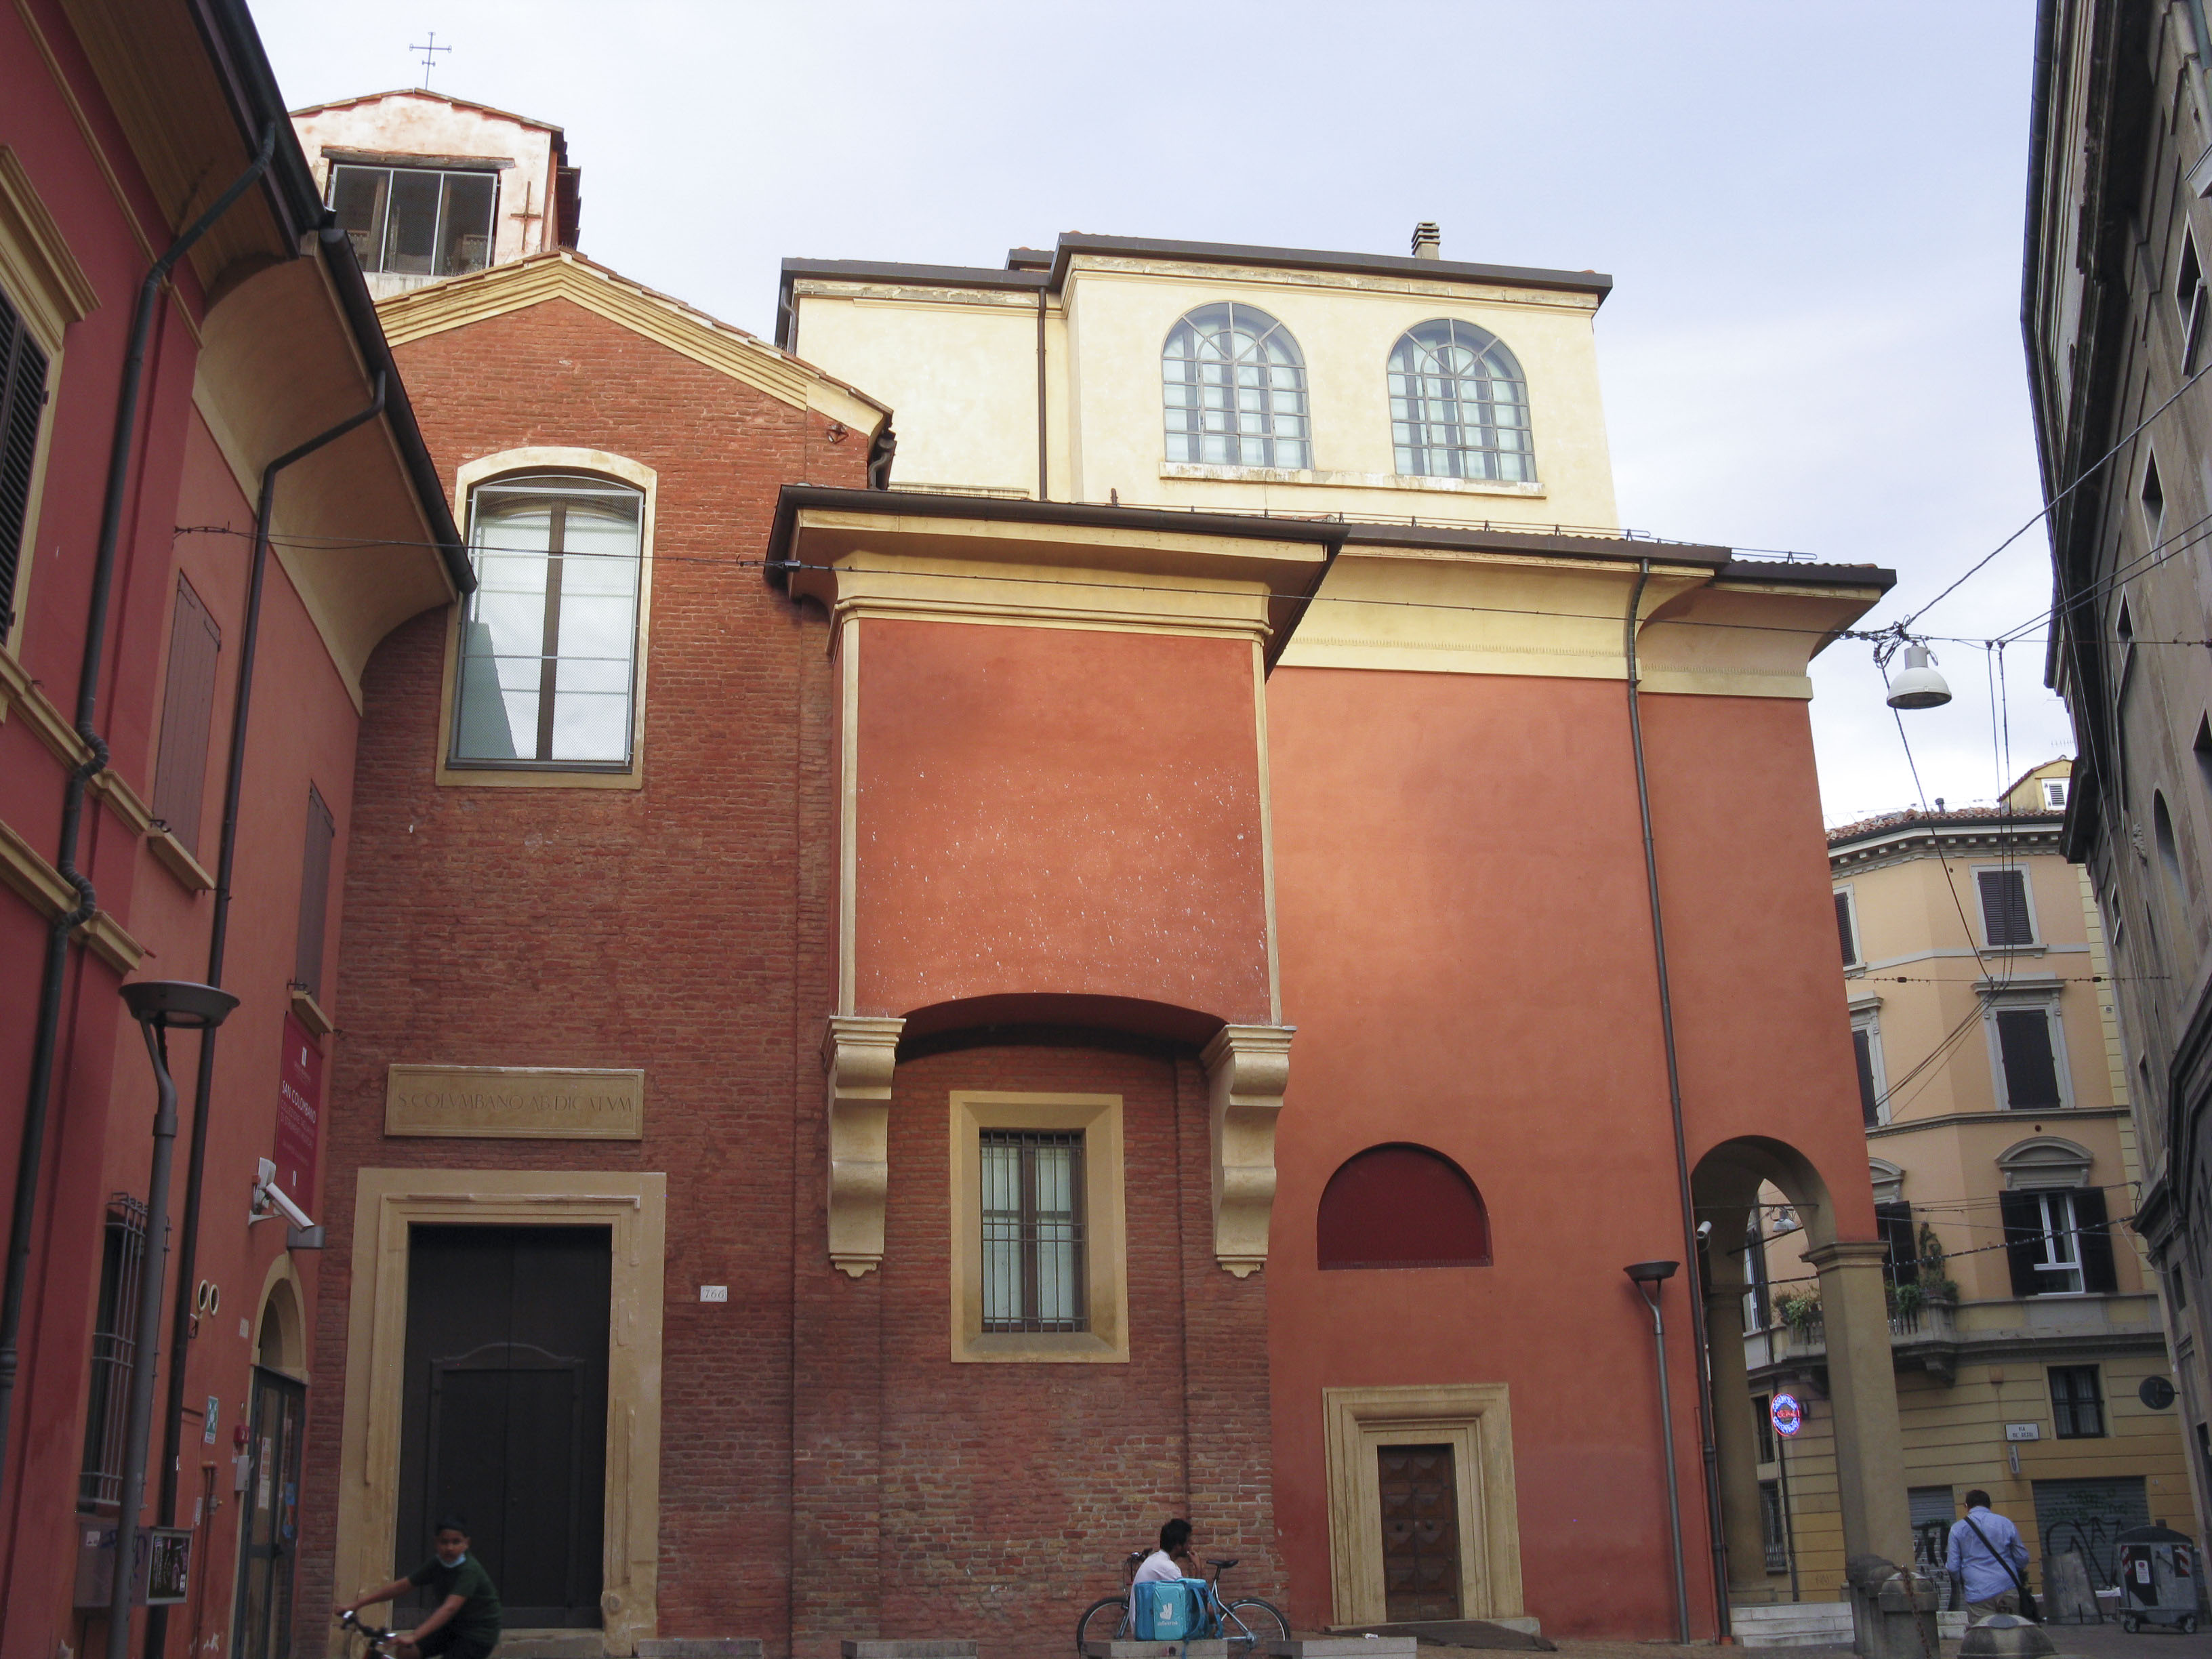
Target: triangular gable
{"x": 565, "y": 275}
{"x": 424, "y": 92}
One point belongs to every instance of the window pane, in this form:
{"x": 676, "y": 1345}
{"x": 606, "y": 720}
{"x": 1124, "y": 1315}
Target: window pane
{"x": 464, "y": 235}
{"x": 1462, "y": 397}
{"x": 357, "y": 198}
{"x": 411, "y": 237}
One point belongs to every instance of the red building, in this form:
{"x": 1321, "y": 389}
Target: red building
{"x": 142, "y": 425}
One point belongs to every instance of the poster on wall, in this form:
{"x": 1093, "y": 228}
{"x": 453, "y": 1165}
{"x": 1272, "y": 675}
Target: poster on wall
{"x": 299, "y": 1103}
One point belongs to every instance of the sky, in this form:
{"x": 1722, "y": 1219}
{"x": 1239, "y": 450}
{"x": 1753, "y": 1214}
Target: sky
{"x": 1812, "y": 211}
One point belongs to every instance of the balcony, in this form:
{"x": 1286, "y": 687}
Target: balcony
{"x": 1922, "y": 1338}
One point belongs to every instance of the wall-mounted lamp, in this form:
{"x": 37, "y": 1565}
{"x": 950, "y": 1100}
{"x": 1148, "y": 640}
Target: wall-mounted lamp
{"x": 1649, "y": 1277}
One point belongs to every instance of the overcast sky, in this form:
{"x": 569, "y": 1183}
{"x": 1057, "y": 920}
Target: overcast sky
{"x": 1812, "y": 213}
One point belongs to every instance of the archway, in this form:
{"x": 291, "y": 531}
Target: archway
{"x": 1853, "y": 1349}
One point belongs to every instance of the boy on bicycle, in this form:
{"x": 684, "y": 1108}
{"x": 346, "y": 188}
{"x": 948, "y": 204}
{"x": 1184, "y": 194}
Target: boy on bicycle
{"x": 465, "y": 1622}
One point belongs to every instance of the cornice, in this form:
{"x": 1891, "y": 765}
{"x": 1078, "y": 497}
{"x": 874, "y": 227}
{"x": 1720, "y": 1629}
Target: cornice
{"x": 1937, "y": 838}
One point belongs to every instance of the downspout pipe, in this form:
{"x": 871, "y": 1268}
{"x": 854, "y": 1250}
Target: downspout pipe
{"x": 46, "y": 1032}
{"x": 218, "y": 939}
{"x": 1044, "y": 478}
{"x": 1691, "y": 1253}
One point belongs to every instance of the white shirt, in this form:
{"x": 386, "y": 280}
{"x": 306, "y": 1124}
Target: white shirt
{"x": 1159, "y": 1564}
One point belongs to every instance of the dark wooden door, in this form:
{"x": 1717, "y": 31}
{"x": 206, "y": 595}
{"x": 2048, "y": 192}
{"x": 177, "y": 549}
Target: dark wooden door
{"x": 506, "y": 1411}
{"x": 271, "y": 1519}
{"x": 1420, "y": 1532}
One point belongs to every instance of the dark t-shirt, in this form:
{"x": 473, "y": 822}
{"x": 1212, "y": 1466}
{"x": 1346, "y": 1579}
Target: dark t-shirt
{"x": 478, "y": 1618}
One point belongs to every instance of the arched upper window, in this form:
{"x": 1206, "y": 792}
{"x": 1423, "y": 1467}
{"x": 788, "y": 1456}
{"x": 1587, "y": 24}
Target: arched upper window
{"x": 1235, "y": 390}
{"x": 549, "y": 641}
{"x": 1459, "y": 405}
{"x": 1401, "y": 1205}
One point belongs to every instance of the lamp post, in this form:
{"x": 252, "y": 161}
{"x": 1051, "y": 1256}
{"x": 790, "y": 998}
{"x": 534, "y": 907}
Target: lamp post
{"x": 160, "y": 1006}
{"x": 1648, "y": 1277}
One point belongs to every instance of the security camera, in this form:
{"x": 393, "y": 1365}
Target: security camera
{"x": 271, "y": 1201}
{"x": 1705, "y": 1228}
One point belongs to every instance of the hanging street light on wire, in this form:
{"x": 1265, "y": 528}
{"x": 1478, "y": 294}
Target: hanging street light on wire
{"x": 1919, "y": 686}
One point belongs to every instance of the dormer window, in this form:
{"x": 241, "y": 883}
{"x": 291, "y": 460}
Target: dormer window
{"x": 416, "y": 222}
{"x": 1459, "y": 405}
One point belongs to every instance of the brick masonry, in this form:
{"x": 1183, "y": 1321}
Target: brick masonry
{"x": 827, "y": 1472}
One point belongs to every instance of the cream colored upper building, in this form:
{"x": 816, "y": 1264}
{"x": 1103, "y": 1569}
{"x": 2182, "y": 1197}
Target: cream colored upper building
{"x": 431, "y": 186}
{"x": 1046, "y": 379}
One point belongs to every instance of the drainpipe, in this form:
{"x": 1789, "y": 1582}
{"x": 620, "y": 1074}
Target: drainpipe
{"x": 180, "y": 1328}
{"x": 47, "y": 1031}
{"x": 1043, "y": 479}
{"x": 1691, "y": 1253}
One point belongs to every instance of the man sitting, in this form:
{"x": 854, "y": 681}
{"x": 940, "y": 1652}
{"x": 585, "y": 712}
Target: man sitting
{"x": 1168, "y": 1562}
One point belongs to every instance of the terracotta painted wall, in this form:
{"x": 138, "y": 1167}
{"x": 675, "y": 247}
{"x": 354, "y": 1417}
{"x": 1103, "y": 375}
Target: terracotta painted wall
{"x": 1467, "y": 955}
{"x": 1056, "y": 811}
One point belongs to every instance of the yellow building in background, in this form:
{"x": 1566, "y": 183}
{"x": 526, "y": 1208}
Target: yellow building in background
{"x": 2027, "y": 1330}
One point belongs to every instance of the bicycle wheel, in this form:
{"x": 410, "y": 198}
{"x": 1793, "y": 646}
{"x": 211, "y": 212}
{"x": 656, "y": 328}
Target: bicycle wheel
{"x": 1101, "y": 1622}
{"x": 1249, "y": 1625}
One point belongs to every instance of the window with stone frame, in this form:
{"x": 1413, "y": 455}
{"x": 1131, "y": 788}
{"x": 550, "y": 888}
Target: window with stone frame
{"x": 1034, "y": 1271}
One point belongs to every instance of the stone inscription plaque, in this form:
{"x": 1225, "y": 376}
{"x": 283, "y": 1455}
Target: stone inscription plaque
{"x": 515, "y": 1102}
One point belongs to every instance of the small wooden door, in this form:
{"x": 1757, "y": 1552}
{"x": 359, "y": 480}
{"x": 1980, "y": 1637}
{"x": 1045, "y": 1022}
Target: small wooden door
{"x": 1420, "y": 1532}
{"x": 270, "y": 1520}
{"x": 506, "y": 1411}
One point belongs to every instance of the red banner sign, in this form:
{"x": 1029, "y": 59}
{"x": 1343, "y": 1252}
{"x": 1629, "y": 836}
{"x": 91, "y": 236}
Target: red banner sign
{"x": 299, "y": 1107}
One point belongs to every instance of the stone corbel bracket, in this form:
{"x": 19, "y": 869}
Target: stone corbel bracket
{"x": 858, "y": 1054}
{"x": 1247, "y": 1069}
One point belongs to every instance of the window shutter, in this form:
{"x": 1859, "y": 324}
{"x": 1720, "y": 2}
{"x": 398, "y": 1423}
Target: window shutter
{"x": 2096, "y": 1241}
{"x": 22, "y": 400}
{"x": 2023, "y": 1230}
{"x": 1843, "y": 928}
{"x": 1902, "y": 1265}
{"x": 2004, "y": 907}
{"x": 314, "y": 896}
{"x": 187, "y": 711}
{"x": 2031, "y": 1071}
{"x": 1862, "y": 1049}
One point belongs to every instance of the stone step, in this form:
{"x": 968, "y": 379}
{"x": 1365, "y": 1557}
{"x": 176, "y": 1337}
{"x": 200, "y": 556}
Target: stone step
{"x": 699, "y": 1647}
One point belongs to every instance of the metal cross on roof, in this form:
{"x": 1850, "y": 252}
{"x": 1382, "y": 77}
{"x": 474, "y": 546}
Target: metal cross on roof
{"x": 430, "y": 58}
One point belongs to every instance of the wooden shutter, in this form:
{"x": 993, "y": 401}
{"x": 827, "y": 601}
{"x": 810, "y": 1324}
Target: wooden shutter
{"x": 1844, "y": 930}
{"x": 2004, "y": 907}
{"x": 1902, "y": 1265}
{"x": 2022, "y": 1216}
{"x": 2096, "y": 1241}
{"x": 1863, "y": 1047}
{"x": 187, "y": 711}
{"x": 2031, "y": 1071}
{"x": 314, "y": 896}
{"x": 22, "y": 401}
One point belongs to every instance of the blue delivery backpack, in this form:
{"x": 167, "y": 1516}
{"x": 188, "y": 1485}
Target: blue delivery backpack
{"x": 1166, "y": 1610}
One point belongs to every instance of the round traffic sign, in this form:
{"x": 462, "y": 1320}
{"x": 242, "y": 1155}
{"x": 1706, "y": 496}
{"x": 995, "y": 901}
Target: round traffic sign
{"x": 1789, "y": 1415}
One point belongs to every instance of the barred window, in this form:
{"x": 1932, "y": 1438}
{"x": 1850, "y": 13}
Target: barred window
{"x": 1034, "y": 1272}
{"x": 114, "y": 1337}
{"x": 549, "y": 641}
{"x": 1235, "y": 390}
{"x": 1459, "y": 405}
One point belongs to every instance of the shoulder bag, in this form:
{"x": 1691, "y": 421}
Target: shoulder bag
{"x": 2027, "y": 1607}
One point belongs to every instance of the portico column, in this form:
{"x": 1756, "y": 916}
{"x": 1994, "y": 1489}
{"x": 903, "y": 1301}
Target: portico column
{"x": 1735, "y": 1442}
{"x": 1862, "y": 1392}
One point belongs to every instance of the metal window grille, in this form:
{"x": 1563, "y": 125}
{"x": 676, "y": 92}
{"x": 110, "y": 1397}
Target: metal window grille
{"x": 2077, "y": 1402}
{"x": 1772, "y": 1525}
{"x": 1459, "y": 405}
{"x": 122, "y": 1271}
{"x": 1235, "y": 385}
{"x": 22, "y": 406}
{"x": 1034, "y": 1273}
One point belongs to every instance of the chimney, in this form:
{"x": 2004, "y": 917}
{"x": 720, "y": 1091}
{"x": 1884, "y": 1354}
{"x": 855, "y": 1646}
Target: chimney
{"x": 1428, "y": 240}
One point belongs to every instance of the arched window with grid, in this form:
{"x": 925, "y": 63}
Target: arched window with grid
{"x": 1459, "y": 405}
{"x": 1235, "y": 385}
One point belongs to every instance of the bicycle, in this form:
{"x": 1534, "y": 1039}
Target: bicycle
{"x": 1242, "y": 1625}
{"x": 378, "y": 1639}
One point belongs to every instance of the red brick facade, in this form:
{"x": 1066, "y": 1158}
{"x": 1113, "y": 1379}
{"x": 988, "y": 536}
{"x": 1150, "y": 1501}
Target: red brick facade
{"x": 826, "y": 1471}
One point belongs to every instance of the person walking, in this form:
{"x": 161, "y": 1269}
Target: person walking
{"x": 1987, "y": 1556}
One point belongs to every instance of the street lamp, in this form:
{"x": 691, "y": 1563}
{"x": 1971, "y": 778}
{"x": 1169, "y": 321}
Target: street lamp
{"x": 1648, "y": 1277}
{"x": 160, "y": 1006}
{"x": 1917, "y": 685}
